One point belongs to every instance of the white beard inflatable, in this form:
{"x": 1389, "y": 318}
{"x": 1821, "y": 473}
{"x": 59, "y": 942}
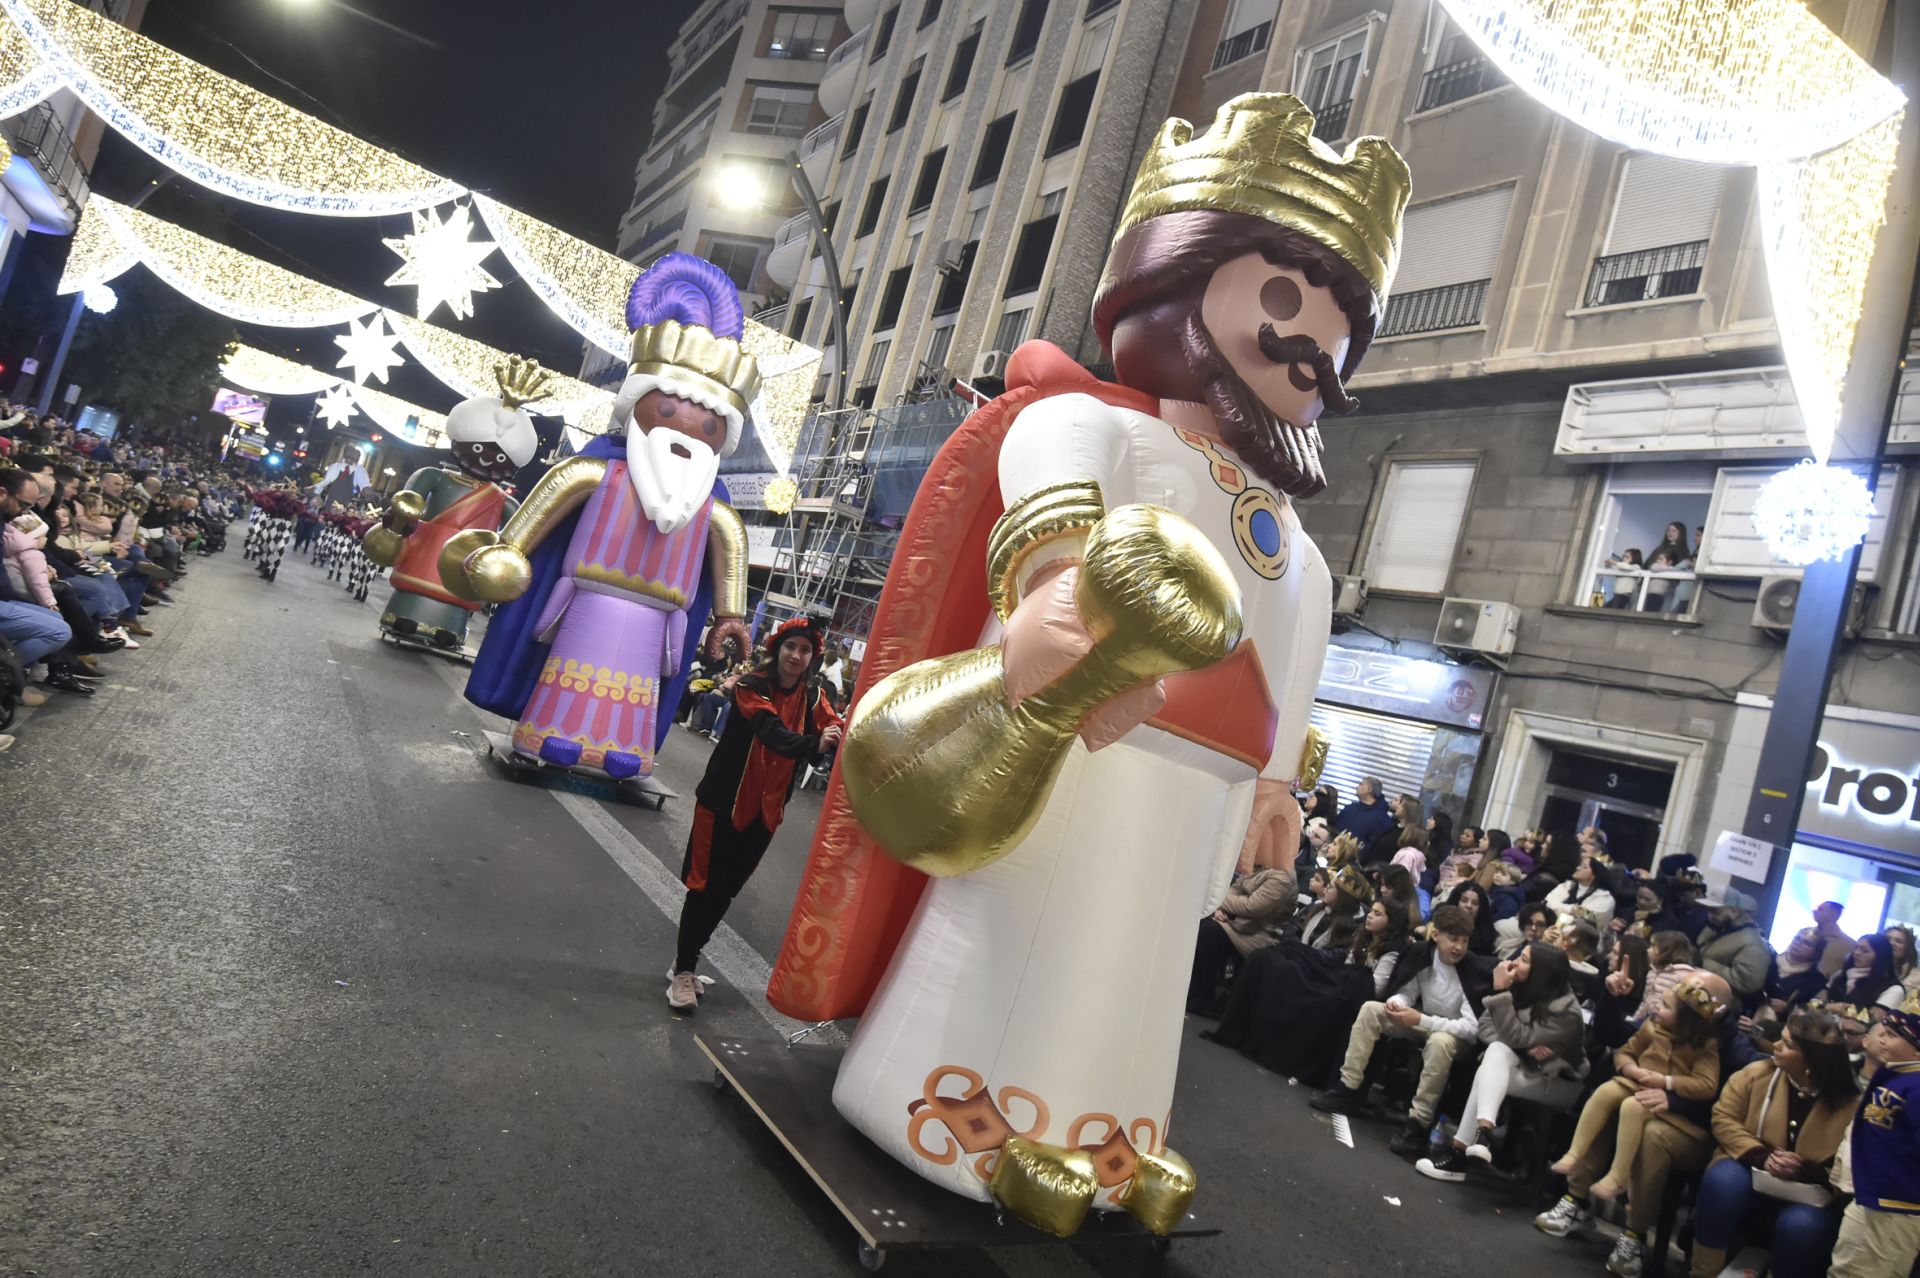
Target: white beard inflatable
{"x": 672, "y": 473}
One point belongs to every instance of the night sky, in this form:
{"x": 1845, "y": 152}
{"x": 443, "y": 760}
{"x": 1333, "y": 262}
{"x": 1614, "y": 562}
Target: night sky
{"x": 545, "y": 106}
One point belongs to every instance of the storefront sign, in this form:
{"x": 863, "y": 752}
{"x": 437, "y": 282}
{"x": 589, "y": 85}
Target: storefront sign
{"x": 748, "y": 490}
{"x": 1392, "y": 684}
{"x": 1864, "y": 786}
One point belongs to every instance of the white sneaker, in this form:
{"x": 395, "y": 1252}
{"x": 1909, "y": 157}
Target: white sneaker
{"x": 1563, "y": 1217}
{"x": 683, "y": 993}
{"x": 128, "y": 640}
{"x": 1625, "y": 1260}
{"x": 6, "y": 743}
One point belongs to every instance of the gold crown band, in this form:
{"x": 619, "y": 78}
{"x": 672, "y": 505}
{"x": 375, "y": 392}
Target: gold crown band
{"x": 673, "y": 349}
{"x": 1260, "y": 157}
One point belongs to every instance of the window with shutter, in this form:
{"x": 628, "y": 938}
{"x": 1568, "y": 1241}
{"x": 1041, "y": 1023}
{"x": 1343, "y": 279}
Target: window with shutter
{"x": 1417, "y": 526}
{"x": 1030, "y": 255}
{"x": 961, "y": 67}
{"x": 953, "y": 287}
{"x": 937, "y": 348}
{"x": 928, "y": 182}
{"x": 1734, "y": 548}
{"x": 903, "y": 100}
{"x": 1656, "y": 242}
{"x": 993, "y": 151}
{"x": 1449, "y": 249}
{"x": 896, "y": 293}
{"x": 1248, "y": 28}
{"x": 1012, "y": 330}
{"x": 883, "y": 35}
{"x": 1070, "y": 118}
{"x": 870, "y": 211}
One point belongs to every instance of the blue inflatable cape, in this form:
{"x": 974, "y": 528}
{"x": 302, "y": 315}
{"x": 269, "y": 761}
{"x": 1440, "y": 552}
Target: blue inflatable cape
{"x": 510, "y": 659}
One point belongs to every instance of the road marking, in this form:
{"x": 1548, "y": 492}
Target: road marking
{"x": 728, "y": 951}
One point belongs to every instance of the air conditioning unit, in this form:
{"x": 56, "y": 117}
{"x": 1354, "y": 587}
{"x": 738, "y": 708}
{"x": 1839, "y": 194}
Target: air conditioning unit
{"x": 1477, "y": 625}
{"x": 989, "y": 364}
{"x": 949, "y": 257}
{"x": 1349, "y": 596}
{"x": 1774, "y": 607}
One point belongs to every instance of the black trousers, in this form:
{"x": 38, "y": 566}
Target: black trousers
{"x": 1211, "y": 956}
{"x": 719, "y": 861}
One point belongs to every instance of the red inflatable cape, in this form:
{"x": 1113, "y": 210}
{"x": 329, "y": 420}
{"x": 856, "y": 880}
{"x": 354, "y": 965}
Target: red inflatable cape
{"x": 855, "y": 900}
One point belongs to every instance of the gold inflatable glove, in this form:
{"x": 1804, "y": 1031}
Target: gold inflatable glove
{"x": 407, "y": 509}
{"x": 383, "y": 545}
{"x": 1162, "y": 1189}
{"x": 1260, "y": 157}
{"x": 1048, "y": 1186}
{"x": 947, "y": 777}
{"x": 474, "y": 565}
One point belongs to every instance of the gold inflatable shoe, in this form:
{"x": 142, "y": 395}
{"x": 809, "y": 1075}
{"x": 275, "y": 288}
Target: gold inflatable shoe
{"x": 1050, "y": 1187}
{"x": 947, "y": 777}
{"x": 1161, "y": 1191}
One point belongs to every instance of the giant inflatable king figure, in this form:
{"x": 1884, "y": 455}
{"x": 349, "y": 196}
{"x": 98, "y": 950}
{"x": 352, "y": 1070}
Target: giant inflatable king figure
{"x": 492, "y": 438}
{"x": 619, "y": 553}
{"x": 1090, "y": 677}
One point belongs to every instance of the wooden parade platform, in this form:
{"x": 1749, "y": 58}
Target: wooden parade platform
{"x": 790, "y": 1089}
{"x": 649, "y": 792}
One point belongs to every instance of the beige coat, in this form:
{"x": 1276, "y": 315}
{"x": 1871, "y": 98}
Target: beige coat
{"x": 1255, "y": 904}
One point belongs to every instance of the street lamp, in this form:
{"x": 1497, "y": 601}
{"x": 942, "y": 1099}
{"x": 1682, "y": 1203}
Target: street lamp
{"x": 742, "y": 187}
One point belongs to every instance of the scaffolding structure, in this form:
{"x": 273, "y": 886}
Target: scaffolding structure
{"x": 857, "y": 470}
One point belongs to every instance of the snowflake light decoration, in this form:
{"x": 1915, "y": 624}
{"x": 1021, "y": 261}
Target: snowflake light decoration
{"x": 336, "y": 407}
{"x": 1811, "y": 512}
{"x": 369, "y": 349}
{"x": 99, "y": 298}
{"x": 442, "y": 260}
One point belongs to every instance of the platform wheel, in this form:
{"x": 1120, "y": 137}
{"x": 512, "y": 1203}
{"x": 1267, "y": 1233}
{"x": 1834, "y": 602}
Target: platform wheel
{"x": 719, "y": 1080}
{"x": 1162, "y": 1245}
{"x": 872, "y": 1257}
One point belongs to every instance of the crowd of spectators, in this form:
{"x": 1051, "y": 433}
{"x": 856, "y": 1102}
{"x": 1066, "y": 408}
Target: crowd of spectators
{"x": 96, "y": 534}
{"x": 1621, "y": 1039}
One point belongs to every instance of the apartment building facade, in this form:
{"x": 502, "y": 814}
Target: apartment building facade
{"x": 972, "y": 165}
{"x": 1579, "y": 351}
{"x": 741, "y": 92}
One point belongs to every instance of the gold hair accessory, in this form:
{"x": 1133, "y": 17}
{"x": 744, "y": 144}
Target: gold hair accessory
{"x": 1260, "y": 157}
{"x": 521, "y": 381}
{"x": 1696, "y": 996}
{"x": 1354, "y": 884}
{"x": 689, "y": 353}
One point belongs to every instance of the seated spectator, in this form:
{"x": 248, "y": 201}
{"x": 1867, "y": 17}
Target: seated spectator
{"x": 1669, "y": 961}
{"x": 1440, "y": 842}
{"x": 1880, "y": 1230}
{"x": 1313, "y": 842}
{"x": 1656, "y": 596}
{"x": 1406, "y": 819}
{"x": 1407, "y": 838}
{"x": 1292, "y": 1007}
{"x": 1530, "y": 924}
{"x": 1617, "y": 1009}
{"x": 1649, "y": 903}
{"x": 1797, "y": 978}
{"x": 1460, "y": 865}
{"x": 1255, "y": 905}
{"x": 1837, "y": 946}
{"x": 1870, "y": 976}
{"x": 1732, "y": 946}
{"x": 1534, "y": 1033}
{"x": 1686, "y": 911}
{"x": 1368, "y": 816}
{"x": 1397, "y": 884}
{"x": 1905, "y": 970}
{"x": 1588, "y": 889}
{"x": 1322, "y": 801}
{"x": 1329, "y": 924}
{"x": 1576, "y": 935}
{"x": 1433, "y": 999}
{"x": 1501, "y": 880}
{"x": 1342, "y": 850}
{"x": 1779, "y": 1124}
{"x": 1471, "y": 899}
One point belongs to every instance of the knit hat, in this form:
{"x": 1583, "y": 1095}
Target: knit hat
{"x": 1905, "y": 1024}
{"x": 1413, "y": 860}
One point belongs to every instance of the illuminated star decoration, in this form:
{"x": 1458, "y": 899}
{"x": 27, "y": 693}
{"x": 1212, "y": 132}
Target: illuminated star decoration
{"x": 1811, "y": 512}
{"x": 336, "y": 407}
{"x": 99, "y": 298}
{"x": 443, "y": 261}
{"x": 368, "y": 348}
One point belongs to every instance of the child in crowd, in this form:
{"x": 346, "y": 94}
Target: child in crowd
{"x": 1669, "y": 961}
{"x": 1676, "y": 1051}
{"x": 1880, "y": 1232}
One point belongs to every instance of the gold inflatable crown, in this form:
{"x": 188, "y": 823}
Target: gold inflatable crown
{"x": 521, "y": 381}
{"x": 1260, "y": 157}
{"x": 672, "y": 349}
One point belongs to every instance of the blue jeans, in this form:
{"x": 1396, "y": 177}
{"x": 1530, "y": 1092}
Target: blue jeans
{"x": 707, "y": 711}
{"x": 32, "y": 630}
{"x": 1802, "y": 1235}
{"x": 100, "y": 596}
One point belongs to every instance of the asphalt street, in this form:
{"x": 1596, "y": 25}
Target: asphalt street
{"x": 292, "y": 982}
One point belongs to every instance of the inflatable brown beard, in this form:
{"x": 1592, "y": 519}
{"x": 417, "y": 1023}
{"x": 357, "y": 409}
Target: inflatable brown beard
{"x": 1285, "y": 455}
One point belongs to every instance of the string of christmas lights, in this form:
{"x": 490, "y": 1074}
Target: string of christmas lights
{"x": 253, "y": 369}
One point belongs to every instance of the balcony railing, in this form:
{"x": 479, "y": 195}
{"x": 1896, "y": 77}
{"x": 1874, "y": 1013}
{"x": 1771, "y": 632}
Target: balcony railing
{"x": 1432, "y": 309}
{"x": 1458, "y": 80}
{"x": 822, "y": 137}
{"x": 716, "y": 29}
{"x": 654, "y": 234}
{"x": 1330, "y": 123}
{"x": 1670, "y": 590}
{"x": 847, "y": 52}
{"x": 38, "y": 132}
{"x": 1244, "y": 45}
{"x": 794, "y": 228}
{"x": 1669, "y": 271}
{"x": 774, "y": 317}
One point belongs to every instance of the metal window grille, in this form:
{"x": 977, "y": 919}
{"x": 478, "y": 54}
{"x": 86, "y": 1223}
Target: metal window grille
{"x": 1330, "y": 122}
{"x": 1431, "y": 309}
{"x": 1670, "y": 271}
{"x": 1458, "y": 80}
{"x": 1243, "y": 45}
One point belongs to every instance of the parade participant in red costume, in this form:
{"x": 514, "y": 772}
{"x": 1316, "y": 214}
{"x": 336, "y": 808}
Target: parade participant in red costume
{"x": 780, "y": 718}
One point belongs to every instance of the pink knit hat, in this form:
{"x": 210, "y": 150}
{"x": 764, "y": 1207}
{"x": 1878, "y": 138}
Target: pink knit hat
{"x": 1413, "y": 859}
